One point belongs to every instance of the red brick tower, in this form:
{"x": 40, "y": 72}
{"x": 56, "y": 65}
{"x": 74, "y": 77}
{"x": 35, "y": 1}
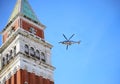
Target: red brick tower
{"x": 25, "y": 56}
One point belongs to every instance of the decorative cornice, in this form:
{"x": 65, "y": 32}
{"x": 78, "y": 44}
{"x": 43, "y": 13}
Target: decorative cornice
{"x": 18, "y": 64}
{"x": 24, "y": 33}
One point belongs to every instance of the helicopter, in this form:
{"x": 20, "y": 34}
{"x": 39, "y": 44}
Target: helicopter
{"x": 69, "y": 42}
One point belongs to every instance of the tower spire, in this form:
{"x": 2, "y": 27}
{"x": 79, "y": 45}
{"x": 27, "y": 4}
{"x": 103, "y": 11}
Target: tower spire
{"x": 23, "y": 8}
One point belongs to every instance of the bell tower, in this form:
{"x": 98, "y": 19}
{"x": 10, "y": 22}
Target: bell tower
{"x": 25, "y": 56}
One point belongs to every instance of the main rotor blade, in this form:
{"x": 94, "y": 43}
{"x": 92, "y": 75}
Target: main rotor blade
{"x": 65, "y": 37}
{"x": 59, "y": 42}
{"x": 67, "y": 47}
{"x": 79, "y": 42}
{"x": 71, "y": 36}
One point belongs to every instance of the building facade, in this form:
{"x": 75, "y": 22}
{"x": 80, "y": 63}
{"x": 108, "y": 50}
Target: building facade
{"x": 25, "y": 56}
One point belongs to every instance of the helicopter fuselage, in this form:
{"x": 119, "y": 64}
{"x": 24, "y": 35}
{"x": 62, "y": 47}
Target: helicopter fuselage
{"x": 69, "y": 42}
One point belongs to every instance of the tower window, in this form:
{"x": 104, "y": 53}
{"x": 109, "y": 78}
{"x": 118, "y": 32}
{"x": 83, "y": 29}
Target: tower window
{"x": 32, "y": 30}
{"x": 7, "y": 58}
{"x": 13, "y": 29}
{"x": 32, "y": 53}
{"x": 3, "y": 61}
{"x": 43, "y": 56}
{"x": 15, "y": 51}
{"x": 11, "y": 53}
{"x": 26, "y": 49}
{"x": 37, "y": 54}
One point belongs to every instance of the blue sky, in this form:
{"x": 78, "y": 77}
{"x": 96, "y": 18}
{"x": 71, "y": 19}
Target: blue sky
{"x": 95, "y": 22}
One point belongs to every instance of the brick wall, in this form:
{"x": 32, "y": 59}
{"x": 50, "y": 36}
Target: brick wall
{"x": 14, "y": 27}
{"x": 27, "y": 26}
{"x": 22, "y": 75}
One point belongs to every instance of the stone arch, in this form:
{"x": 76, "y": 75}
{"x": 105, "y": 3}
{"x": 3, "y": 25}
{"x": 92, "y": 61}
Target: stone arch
{"x": 26, "y": 49}
{"x": 11, "y": 54}
{"x": 37, "y": 54}
{"x": 14, "y": 50}
{"x": 7, "y": 58}
{"x": 32, "y": 51}
{"x": 3, "y": 61}
{"x": 43, "y": 57}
